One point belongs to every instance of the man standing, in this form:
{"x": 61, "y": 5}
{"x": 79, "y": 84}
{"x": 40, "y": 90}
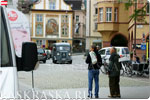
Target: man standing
{"x": 114, "y": 74}
{"x": 94, "y": 61}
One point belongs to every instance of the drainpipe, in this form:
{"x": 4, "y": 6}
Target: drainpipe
{"x": 135, "y": 30}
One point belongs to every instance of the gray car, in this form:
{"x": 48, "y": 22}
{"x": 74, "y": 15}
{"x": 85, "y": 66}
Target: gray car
{"x": 42, "y": 55}
{"x": 61, "y": 53}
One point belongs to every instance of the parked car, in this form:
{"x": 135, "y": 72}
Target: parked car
{"x": 48, "y": 53}
{"x": 42, "y": 55}
{"x": 61, "y": 53}
{"x": 122, "y": 51}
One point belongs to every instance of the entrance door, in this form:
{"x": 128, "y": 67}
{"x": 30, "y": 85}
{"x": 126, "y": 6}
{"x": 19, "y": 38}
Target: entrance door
{"x": 50, "y": 44}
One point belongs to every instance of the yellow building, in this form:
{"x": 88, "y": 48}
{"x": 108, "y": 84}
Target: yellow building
{"x": 52, "y": 22}
{"x": 117, "y": 28}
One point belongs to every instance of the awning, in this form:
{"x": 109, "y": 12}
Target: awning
{"x": 97, "y": 41}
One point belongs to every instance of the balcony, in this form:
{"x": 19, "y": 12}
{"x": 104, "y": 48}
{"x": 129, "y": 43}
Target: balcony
{"x": 108, "y": 27}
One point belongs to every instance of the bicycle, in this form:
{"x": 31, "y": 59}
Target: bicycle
{"x": 104, "y": 68}
{"x": 127, "y": 68}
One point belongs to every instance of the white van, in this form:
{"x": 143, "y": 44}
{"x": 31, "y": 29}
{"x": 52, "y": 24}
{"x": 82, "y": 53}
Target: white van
{"x": 122, "y": 51}
{"x": 9, "y": 62}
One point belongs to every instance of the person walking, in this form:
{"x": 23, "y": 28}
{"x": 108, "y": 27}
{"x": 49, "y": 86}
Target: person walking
{"x": 94, "y": 62}
{"x": 114, "y": 74}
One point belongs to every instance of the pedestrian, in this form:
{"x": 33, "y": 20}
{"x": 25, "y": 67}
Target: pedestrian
{"x": 94, "y": 62}
{"x": 114, "y": 74}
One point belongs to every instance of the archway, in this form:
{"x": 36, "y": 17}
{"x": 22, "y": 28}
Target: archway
{"x": 119, "y": 40}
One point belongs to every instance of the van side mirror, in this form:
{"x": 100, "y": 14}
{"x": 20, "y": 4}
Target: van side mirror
{"x": 29, "y": 57}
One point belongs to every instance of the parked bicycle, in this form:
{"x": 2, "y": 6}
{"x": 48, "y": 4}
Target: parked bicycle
{"x": 127, "y": 68}
{"x": 104, "y": 68}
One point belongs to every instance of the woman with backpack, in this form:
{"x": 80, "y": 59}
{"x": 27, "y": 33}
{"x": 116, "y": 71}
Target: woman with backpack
{"x": 94, "y": 62}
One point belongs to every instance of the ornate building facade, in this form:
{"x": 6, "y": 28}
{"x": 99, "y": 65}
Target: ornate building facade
{"x": 52, "y": 22}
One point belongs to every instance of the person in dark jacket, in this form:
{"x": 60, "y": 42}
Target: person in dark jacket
{"x": 93, "y": 72}
{"x": 114, "y": 74}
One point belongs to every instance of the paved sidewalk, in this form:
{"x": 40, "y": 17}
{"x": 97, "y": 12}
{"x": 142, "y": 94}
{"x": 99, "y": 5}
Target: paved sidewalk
{"x": 126, "y": 92}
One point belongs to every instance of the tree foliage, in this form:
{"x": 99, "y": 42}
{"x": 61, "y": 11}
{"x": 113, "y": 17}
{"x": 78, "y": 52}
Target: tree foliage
{"x": 138, "y": 14}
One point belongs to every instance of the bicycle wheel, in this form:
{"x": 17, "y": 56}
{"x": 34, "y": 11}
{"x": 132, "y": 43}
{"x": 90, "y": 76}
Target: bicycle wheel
{"x": 121, "y": 72}
{"x": 129, "y": 71}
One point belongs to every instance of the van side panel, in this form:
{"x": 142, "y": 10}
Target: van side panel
{"x": 8, "y": 75}
{"x": 8, "y": 84}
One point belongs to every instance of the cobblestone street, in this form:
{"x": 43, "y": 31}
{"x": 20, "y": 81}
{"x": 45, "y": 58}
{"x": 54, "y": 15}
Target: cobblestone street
{"x": 66, "y": 76}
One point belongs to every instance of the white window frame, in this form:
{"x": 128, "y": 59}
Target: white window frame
{"x": 39, "y": 42}
{"x": 116, "y": 14}
{"x": 64, "y": 31}
{"x": 39, "y": 18}
{"x": 108, "y": 14}
{"x": 39, "y": 31}
{"x": 52, "y": 5}
{"x": 101, "y": 14}
{"x": 78, "y": 18}
{"x": 65, "y": 18}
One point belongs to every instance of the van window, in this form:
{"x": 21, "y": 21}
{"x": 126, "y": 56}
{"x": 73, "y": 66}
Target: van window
{"x": 102, "y": 52}
{"x": 108, "y": 52}
{"x": 63, "y": 48}
{"x": 125, "y": 51}
{"x": 5, "y": 45}
{"x": 118, "y": 50}
{"x": 40, "y": 51}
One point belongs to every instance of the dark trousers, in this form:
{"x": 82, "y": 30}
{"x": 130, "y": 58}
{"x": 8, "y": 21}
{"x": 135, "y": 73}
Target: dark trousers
{"x": 114, "y": 85}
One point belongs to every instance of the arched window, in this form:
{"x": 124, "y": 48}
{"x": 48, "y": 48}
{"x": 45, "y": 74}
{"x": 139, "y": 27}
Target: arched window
{"x": 52, "y": 4}
{"x": 39, "y": 29}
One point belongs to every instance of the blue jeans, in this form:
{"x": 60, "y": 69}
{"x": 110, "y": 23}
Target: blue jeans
{"x": 93, "y": 74}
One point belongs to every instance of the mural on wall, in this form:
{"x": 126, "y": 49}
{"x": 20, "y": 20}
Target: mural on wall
{"x": 51, "y": 27}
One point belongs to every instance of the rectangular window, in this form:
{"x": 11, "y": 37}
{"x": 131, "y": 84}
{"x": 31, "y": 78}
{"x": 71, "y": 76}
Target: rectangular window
{"x": 116, "y": 15}
{"x": 77, "y": 19}
{"x": 39, "y": 29}
{"x": 39, "y": 42}
{"x": 39, "y": 17}
{"x": 65, "y": 18}
{"x": 101, "y": 14}
{"x": 108, "y": 14}
{"x": 64, "y": 31}
{"x": 96, "y": 11}
{"x": 52, "y": 6}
